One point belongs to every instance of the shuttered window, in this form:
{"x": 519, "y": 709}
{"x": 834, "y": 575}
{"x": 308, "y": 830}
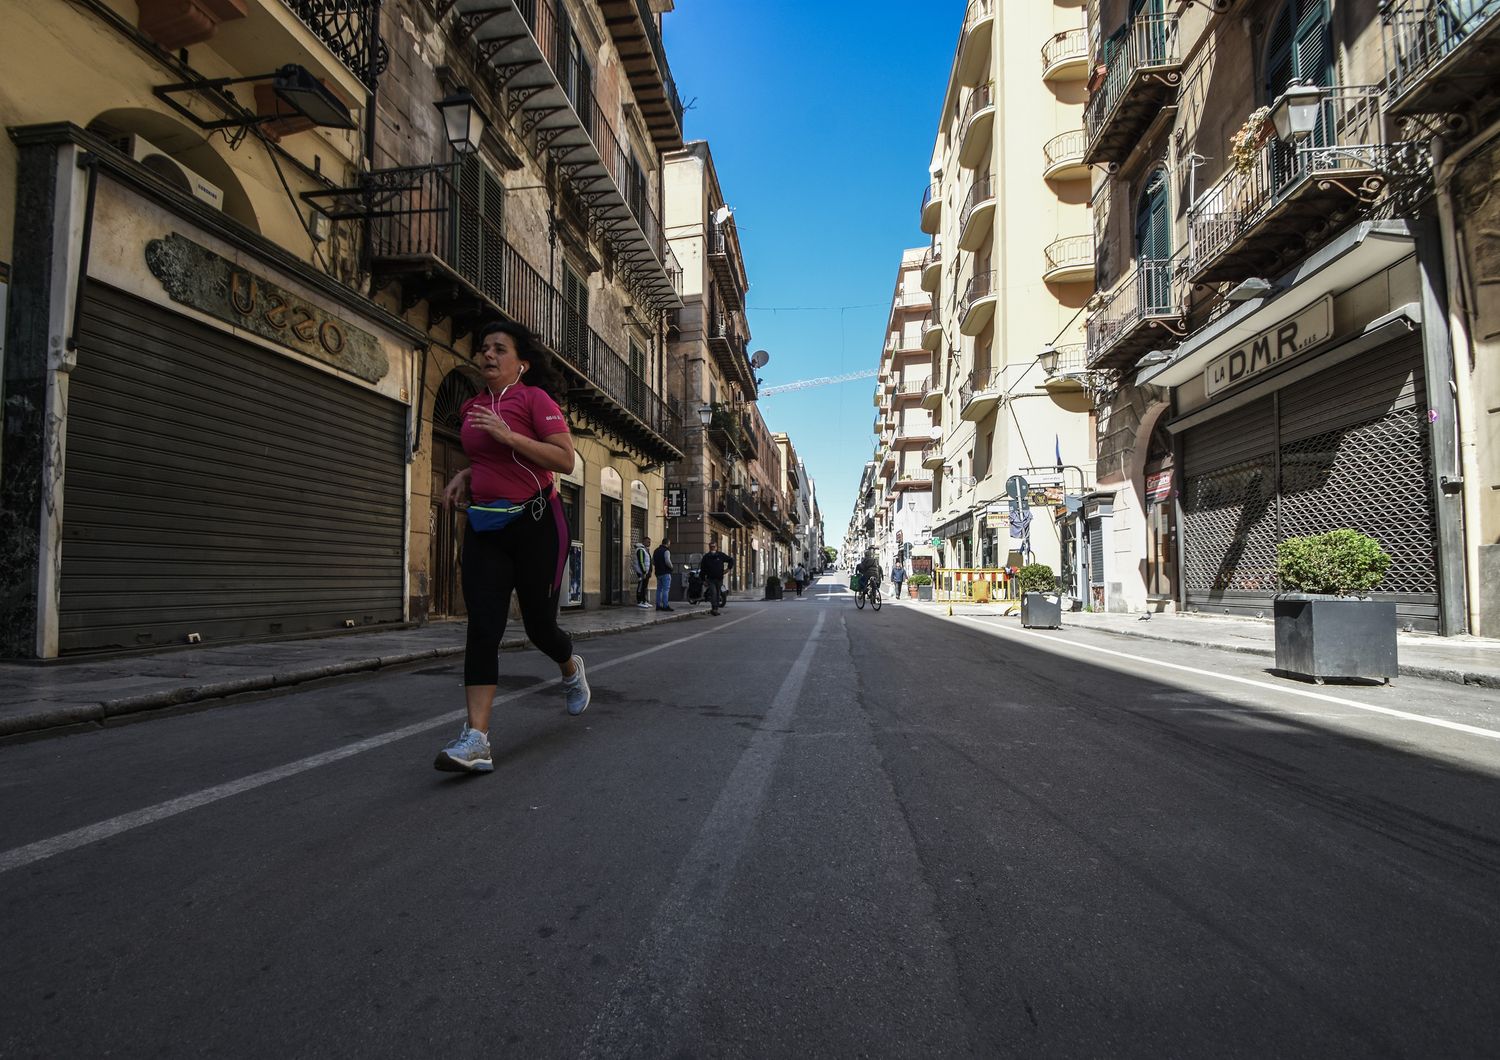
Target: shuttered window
{"x": 479, "y": 228}
{"x": 217, "y": 487}
{"x": 1300, "y": 47}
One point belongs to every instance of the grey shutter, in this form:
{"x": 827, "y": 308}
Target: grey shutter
{"x": 216, "y": 487}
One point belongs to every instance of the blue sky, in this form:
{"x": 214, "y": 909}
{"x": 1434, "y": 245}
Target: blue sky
{"x": 821, "y": 116}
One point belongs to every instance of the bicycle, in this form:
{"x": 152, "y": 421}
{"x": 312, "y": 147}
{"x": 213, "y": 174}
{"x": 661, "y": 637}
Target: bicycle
{"x": 870, "y": 593}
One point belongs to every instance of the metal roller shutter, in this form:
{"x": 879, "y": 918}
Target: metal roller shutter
{"x": 1347, "y": 447}
{"x": 219, "y": 488}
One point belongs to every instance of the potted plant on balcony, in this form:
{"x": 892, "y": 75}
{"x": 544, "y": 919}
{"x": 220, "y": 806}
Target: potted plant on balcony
{"x": 1245, "y": 145}
{"x": 1041, "y": 607}
{"x": 1325, "y": 624}
{"x": 921, "y": 586}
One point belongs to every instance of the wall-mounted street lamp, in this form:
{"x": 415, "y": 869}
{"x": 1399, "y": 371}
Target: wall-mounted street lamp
{"x": 1295, "y": 112}
{"x": 463, "y": 121}
{"x": 705, "y": 415}
{"x": 1048, "y": 359}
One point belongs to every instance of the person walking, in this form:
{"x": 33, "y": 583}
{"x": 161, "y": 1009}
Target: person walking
{"x": 799, "y": 575}
{"x": 661, "y": 563}
{"x": 898, "y": 575}
{"x": 641, "y": 563}
{"x": 516, "y": 539}
{"x": 713, "y": 567}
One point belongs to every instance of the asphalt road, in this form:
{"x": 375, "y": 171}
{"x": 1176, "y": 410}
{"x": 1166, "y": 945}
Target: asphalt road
{"x": 795, "y": 830}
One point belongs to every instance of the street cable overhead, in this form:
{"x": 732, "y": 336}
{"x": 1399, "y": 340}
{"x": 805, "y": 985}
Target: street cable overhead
{"x": 825, "y": 380}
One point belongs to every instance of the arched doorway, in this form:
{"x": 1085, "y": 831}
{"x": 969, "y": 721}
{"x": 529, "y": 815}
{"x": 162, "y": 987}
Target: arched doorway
{"x": 445, "y": 526}
{"x": 612, "y": 537}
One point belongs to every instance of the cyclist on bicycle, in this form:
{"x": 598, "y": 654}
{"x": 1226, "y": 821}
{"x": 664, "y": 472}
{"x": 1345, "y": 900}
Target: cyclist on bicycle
{"x": 869, "y": 572}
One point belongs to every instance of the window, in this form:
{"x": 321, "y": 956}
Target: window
{"x": 1299, "y": 47}
{"x": 477, "y": 237}
{"x": 575, "y": 319}
{"x": 1153, "y": 246}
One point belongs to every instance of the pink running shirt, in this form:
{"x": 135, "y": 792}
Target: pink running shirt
{"x": 500, "y": 473}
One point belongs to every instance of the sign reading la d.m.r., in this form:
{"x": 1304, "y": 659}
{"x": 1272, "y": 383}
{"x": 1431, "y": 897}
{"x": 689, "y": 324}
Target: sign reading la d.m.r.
{"x": 1290, "y": 338}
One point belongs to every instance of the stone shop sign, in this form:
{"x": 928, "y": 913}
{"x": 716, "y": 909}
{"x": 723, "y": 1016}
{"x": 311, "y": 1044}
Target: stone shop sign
{"x": 197, "y": 277}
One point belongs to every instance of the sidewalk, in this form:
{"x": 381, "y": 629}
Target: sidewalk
{"x": 1461, "y": 660}
{"x": 42, "y": 696}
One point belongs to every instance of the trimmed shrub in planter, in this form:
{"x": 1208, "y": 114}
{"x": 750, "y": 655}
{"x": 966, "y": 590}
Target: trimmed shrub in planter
{"x": 773, "y": 587}
{"x": 1324, "y": 627}
{"x": 1041, "y": 607}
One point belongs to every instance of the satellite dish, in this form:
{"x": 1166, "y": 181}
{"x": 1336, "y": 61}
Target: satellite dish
{"x": 936, "y": 434}
{"x": 722, "y": 214}
{"x": 759, "y": 358}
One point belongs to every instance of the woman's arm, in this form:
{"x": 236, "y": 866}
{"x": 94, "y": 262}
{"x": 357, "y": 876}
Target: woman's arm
{"x": 554, "y": 452}
{"x": 457, "y": 488}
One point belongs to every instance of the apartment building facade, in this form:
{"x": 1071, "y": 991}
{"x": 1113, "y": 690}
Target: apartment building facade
{"x": 257, "y": 207}
{"x": 1010, "y": 268}
{"x": 1274, "y": 302}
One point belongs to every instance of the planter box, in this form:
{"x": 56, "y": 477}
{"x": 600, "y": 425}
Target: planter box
{"x": 924, "y": 592}
{"x": 1041, "y": 611}
{"x": 1335, "y": 636}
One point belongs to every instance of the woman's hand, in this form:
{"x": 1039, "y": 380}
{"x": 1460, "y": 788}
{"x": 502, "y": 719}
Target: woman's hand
{"x": 490, "y": 423}
{"x": 457, "y": 490}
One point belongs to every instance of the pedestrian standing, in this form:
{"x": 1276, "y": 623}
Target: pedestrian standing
{"x": 714, "y": 566}
{"x": 516, "y": 539}
{"x": 641, "y": 563}
{"x": 661, "y": 563}
{"x": 898, "y": 575}
{"x": 799, "y": 575}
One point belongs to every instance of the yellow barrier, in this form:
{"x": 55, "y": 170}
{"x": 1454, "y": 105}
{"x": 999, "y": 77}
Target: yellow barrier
{"x": 979, "y": 585}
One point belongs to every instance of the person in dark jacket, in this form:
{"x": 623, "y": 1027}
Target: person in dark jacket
{"x": 661, "y": 563}
{"x": 715, "y": 565}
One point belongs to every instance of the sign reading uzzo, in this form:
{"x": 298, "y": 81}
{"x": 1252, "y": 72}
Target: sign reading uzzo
{"x": 1265, "y": 351}
{"x": 197, "y": 277}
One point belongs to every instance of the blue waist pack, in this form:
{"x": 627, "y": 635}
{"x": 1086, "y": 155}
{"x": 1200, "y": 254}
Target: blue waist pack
{"x": 493, "y": 516}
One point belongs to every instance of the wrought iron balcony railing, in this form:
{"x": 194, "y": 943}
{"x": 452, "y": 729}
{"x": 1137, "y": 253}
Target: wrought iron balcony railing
{"x": 1133, "y": 315}
{"x": 1141, "y": 70}
{"x": 1435, "y": 52}
{"x": 981, "y": 191}
{"x": 1246, "y": 220}
{"x": 432, "y": 219}
{"x": 344, "y": 25}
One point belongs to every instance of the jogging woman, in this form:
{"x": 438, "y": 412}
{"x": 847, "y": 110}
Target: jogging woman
{"x": 516, "y": 438}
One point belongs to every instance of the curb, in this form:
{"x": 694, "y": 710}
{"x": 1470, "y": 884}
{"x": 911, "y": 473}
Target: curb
{"x": 97, "y": 714}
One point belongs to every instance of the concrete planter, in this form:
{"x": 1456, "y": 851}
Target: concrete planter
{"x": 1335, "y": 636}
{"x": 924, "y": 592}
{"x": 1041, "y": 611}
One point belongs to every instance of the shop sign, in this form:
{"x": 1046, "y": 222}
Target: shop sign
{"x": 195, "y": 276}
{"x": 1281, "y": 342}
{"x": 1159, "y": 486}
{"x": 675, "y": 506}
{"x": 997, "y": 521}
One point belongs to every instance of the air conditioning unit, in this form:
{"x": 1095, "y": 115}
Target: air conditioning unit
{"x": 172, "y": 171}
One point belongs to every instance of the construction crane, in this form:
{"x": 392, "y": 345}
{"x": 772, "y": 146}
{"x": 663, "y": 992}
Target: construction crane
{"x": 808, "y": 384}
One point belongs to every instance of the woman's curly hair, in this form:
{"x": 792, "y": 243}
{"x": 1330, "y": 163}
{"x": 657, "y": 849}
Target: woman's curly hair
{"x": 541, "y": 369}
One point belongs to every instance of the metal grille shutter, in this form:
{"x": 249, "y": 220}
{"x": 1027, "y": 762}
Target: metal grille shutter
{"x": 217, "y": 487}
{"x": 1096, "y": 551}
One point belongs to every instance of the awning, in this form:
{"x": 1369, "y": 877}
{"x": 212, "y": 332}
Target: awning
{"x": 1353, "y": 256}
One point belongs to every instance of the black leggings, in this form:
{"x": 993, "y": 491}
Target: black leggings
{"x": 523, "y": 556}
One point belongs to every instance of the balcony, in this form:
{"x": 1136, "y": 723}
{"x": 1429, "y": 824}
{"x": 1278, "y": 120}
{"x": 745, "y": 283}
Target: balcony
{"x": 932, "y": 332}
{"x": 932, "y": 456}
{"x": 440, "y": 246}
{"x": 1069, "y": 260}
{"x": 726, "y": 430}
{"x": 911, "y": 436}
{"x": 975, "y": 126}
{"x": 1071, "y": 372}
{"x": 1139, "y": 89}
{"x": 932, "y": 209}
{"x": 932, "y": 400}
{"x": 638, "y": 40}
{"x": 977, "y": 216}
{"x": 1143, "y": 312}
{"x": 975, "y": 42}
{"x": 724, "y": 506}
{"x": 728, "y": 343}
{"x": 551, "y": 97}
{"x": 888, "y": 463}
{"x": 909, "y": 393}
{"x": 1062, "y": 156}
{"x": 1440, "y": 57}
{"x": 727, "y": 263}
{"x": 932, "y": 268}
{"x": 980, "y": 395}
{"x": 977, "y": 306}
{"x": 1254, "y": 219}
{"x": 1065, "y": 57}
{"x": 910, "y": 480}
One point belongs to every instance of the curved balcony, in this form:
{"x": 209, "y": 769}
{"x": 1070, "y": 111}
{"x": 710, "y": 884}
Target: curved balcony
{"x": 932, "y": 332}
{"x": 1069, "y": 260}
{"x": 933, "y": 399}
{"x": 978, "y": 214}
{"x": 974, "y": 45}
{"x": 980, "y": 396}
{"x": 977, "y": 305}
{"x": 932, "y": 456}
{"x": 932, "y": 268}
{"x": 1070, "y": 372}
{"x": 1062, "y": 156}
{"x": 932, "y": 209}
{"x": 976, "y": 125}
{"x": 1065, "y": 57}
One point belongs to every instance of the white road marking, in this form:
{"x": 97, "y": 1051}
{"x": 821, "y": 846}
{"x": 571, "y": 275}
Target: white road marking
{"x": 31, "y": 853}
{"x": 654, "y": 1002}
{"x": 1456, "y": 726}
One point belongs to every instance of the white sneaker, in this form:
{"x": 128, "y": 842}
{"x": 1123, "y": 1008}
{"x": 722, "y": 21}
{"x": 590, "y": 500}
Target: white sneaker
{"x": 577, "y": 688}
{"x": 644, "y": 606}
{"x": 470, "y": 753}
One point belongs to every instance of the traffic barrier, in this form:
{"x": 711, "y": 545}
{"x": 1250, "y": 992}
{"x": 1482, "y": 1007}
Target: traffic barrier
{"x": 975, "y": 584}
